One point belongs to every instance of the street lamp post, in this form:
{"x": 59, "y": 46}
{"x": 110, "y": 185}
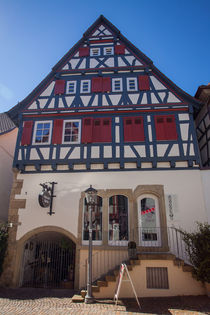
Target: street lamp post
{"x": 91, "y": 198}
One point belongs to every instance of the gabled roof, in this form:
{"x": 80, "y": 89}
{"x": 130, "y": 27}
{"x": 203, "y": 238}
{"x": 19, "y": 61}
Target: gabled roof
{"x": 6, "y": 124}
{"x": 13, "y": 113}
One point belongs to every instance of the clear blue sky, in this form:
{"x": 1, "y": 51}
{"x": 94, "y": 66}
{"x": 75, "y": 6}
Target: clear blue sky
{"x": 35, "y": 34}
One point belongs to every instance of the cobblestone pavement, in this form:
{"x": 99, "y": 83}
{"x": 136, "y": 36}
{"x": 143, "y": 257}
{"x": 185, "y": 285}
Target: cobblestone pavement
{"x": 58, "y": 302}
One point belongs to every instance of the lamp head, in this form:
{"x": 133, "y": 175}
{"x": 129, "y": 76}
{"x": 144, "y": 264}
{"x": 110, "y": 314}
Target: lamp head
{"x": 91, "y": 195}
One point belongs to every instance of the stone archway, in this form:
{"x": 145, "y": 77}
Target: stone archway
{"x": 46, "y": 257}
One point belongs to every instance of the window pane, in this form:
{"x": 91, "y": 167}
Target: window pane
{"x": 47, "y": 126}
{"x": 38, "y": 139}
{"x": 39, "y": 126}
{"x": 42, "y": 132}
{"x": 118, "y": 218}
{"x": 45, "y": 139}
{"x": 148, "y": 213}
{"x": 96, "y": 221}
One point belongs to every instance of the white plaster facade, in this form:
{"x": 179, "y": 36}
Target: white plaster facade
{"x": 184, "y": 186}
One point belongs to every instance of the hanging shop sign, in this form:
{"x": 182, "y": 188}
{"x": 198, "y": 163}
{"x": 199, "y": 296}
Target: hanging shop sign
{"x": 46, "y": 196}
{"x": 44, "y": 199}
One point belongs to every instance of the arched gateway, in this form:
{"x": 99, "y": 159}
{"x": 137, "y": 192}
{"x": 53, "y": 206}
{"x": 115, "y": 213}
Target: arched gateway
{"x": 48, "y": 261}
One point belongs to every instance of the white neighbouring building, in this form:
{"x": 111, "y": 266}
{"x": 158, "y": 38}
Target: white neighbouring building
{"x": 105, "y": 116}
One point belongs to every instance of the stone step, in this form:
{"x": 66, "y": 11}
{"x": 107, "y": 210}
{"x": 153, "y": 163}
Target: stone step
{"x": 187, "y": 268}
{"x": 156, "y": 256}
{"x": 134, "y": 262}
{"x": 95, "y": 288}
{"x": 101, "y": 283}
{"x": 178, "y": 262}
{"x": 77, "y": 299}
{"x": 110, "y": 278}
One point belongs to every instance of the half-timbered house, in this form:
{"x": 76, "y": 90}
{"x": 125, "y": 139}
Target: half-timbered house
{"x": 105, "y": 116}
{"x": 202, "y": 121}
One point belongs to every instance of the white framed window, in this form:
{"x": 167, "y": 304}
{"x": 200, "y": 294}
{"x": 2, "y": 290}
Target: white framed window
{"x": 94, "y": 52}
{"x": 85, "y": 86}
{"x": 71, "y": 87}
{"x": 42, "y": 132}
{"x": 118, "y": 220}
{"x": 149, "y": 221}
{"x": 71, "y": 131}
{"x": 131, "y": 84}
{"x": 117, "y": 85}
{"x": 108, "y": 51}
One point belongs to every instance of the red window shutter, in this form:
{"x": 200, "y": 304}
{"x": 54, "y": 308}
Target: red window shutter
{"x": 84, "y": 51}
{"x": 87, "y": 130}
{"x": 27, "y": 133}
{"x": 143, "y": 82}
{"x": 97, "y": 129}
{"x": 170, "y": 127}
{"x": 119, "y": 49}
{"x": 97, "y": 84}
{"x": 106, "y": 134}
{"x": 133, "y": 129}
{"x": 138, "y": 129}
{"x": 106, "y": 85}
{"x": 128, "y": 128}
{"x": 59, "y": 87}
{"x": 160, "y": 127}
{"x": 102, "y": 130}
{"x": 165, "y": 127}
{"x": 57, "y": 131}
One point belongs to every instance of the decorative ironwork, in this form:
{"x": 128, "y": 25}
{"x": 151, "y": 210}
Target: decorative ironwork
{"x": 46, "y": 196}
{"x": 48, "y": 264}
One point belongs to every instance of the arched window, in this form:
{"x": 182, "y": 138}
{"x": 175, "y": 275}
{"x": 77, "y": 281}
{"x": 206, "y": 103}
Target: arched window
{"x": 149, "y": 221}
{"x": 118, "y": 219}
{"x": 96, "y": 222}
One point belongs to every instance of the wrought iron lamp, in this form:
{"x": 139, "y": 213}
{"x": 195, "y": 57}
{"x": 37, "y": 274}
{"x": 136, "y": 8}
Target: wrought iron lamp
{"x": 91, "y": 199}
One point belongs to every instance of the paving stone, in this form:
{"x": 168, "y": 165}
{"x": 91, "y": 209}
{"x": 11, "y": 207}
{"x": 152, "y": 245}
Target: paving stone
{"x": 59, "y": 302}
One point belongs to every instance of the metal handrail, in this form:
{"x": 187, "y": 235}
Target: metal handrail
{"x": 148, "y": 240}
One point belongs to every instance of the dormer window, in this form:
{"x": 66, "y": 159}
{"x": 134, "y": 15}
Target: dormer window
{"x": 85, "y": 86}
{"x": 95, "y": 52}
{"x": 108, "y": 51}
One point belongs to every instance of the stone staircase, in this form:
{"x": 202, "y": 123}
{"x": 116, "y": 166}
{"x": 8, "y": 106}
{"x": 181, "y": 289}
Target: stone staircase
{"x": 109, "y": 280}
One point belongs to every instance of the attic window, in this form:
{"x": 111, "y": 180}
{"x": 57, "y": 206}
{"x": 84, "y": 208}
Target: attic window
{"x": 117, "y": 85}
{"x": 108, "y": 51}
{"x": 132, "y": 84}
{"x": 85, "y": 86}
{"x": 71, "y": 87}
{"x": 95, "y": 52}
